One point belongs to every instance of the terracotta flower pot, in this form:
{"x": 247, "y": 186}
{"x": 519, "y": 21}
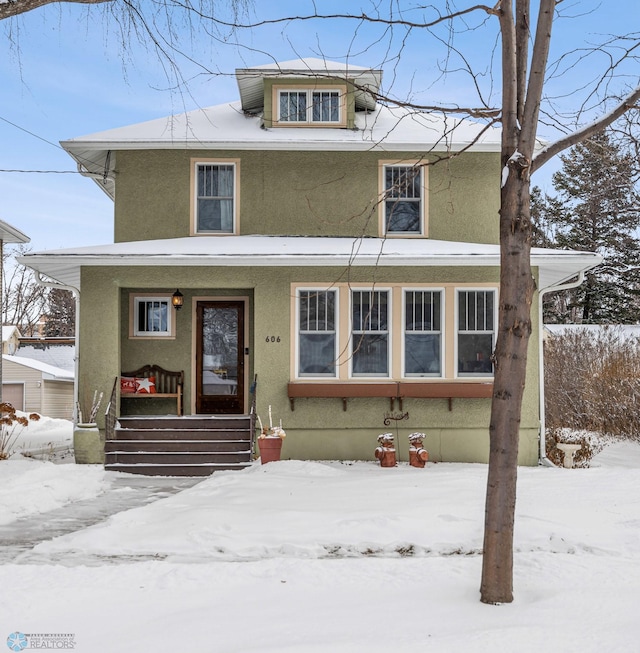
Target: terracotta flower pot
{"x": 270, "y": 449}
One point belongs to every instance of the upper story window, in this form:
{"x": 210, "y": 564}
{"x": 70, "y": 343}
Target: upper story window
{"x": 310, "y": 106}
{"x": 476, "y": 332}
{"x": 403, "y": 206}
{"x": 317, "y": 333}
{"x": 216, "y": 197}
{"x": 151, "y": 316}
{"x": 422, "y": 333}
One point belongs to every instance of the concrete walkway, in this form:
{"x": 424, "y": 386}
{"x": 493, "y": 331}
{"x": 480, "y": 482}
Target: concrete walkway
{"x": 127, "y": 491}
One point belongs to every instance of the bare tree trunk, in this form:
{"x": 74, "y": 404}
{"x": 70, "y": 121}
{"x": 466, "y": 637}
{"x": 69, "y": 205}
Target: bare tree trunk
{"x": 519, "y": 125}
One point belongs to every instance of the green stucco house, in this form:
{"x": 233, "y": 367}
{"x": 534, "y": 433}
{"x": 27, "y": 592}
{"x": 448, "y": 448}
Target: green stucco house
{"x": 337, "y": 264}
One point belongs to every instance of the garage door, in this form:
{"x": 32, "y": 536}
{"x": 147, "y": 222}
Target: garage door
{"x": 13, "y": 393}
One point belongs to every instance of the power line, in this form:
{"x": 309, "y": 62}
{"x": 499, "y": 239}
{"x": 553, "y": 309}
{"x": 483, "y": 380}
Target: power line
{"x": 26, "y": 131}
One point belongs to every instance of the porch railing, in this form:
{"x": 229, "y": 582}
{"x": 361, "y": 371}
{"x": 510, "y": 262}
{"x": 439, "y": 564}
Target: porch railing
{"x": 110, "y": 414}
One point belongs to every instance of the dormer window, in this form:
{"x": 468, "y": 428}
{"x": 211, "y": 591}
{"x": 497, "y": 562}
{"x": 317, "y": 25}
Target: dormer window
{"x": 310, "y": 106}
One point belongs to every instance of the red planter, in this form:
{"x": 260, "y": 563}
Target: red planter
{"x": 270, "y": 449}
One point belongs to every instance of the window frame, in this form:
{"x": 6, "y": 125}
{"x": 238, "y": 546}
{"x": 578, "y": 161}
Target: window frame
{"x": 440, "y": 332}
{"x": 389, "y": 333}
{"x": 457, "y": 331}
{"x": 298, "y": 331}
{"x": 196, "y": 163}
{"x": 423, "y": 231}
{"x": 135, "y": 332}
{"x": 309, "y": 90}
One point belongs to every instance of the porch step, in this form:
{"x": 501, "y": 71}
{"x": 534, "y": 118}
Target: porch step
{"x": 179, "y": 446}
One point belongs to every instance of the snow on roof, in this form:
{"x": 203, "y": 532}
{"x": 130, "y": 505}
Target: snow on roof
{"x": 61, "y": 356}
{"x": 227, "y": 127}
{"x": 251, "y": 80}
{"x": 555, "y": 266}
{"x": 8, "y": 331}
{"x": 49, "y": 372}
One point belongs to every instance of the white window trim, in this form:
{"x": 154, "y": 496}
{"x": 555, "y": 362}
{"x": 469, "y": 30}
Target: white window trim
{"x": 195, "y": 163}
{"x": 389, "y": 331}
{"x": 309, "y": 89}
{"x": 424, "y": 199}
{"x": 494, "y": 333}
{"x": 134, "y": 333}
{"x": 299, "y": 290}
{"x": 396, "y": 371}
{"x": 441, "y": 332}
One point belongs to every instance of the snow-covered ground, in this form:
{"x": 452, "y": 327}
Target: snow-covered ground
{"x": 311, "y": 557}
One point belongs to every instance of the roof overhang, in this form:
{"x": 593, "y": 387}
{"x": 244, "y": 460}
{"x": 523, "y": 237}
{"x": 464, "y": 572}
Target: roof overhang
{"x": 9, "y": 234}
{"x": 64, "y": 266}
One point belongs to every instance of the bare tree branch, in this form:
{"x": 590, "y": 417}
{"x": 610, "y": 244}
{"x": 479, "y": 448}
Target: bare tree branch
{"x": 576, "y": 137}
{"x": 15, "y": 7}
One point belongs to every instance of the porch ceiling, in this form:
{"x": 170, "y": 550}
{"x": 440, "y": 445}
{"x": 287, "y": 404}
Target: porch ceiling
{"x": 63, "y": 265}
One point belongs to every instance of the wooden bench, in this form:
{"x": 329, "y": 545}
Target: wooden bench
{"x": 392, "y": 390}
{"x": 168, "y": 384}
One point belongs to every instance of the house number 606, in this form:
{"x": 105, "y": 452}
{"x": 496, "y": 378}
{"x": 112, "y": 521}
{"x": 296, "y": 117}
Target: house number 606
{"x": 272, "y": 339}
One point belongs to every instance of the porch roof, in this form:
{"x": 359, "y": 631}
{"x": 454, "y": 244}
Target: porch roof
{"x": 64, "y": 265}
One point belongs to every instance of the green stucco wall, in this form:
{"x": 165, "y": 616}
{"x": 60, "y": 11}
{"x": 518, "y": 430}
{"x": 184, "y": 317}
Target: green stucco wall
{"x": 317, "y": 428}
{"x": 304, "y": 193}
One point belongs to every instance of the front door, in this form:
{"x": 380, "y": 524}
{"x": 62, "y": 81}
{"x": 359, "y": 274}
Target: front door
{"x": 220, "y": 357}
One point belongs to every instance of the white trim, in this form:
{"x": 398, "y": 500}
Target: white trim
{"x": 296, "y": 335}
{"x": 389, "y": 331}
{"x": 442, "y": 332}
{"x": 135, "y": 332}
{"x": 494, "y": 332}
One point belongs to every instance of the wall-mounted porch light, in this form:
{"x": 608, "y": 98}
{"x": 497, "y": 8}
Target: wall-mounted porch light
{"x": 177, "y": 300}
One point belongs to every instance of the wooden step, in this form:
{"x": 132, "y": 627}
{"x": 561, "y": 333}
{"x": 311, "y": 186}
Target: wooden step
{"x": 137, "y": 445}
{"x": 180, "y": 434}
{"x": 186, "y": 423}
{"x": 205, "y": 469}
{"x": 173, "y": 458}
{"x": 179, "y": 446}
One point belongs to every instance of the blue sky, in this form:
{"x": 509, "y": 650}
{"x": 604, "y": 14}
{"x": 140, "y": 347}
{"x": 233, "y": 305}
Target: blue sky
{"x": 65, "y": 74}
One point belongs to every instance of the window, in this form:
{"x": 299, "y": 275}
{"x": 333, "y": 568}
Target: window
{"x": 476, "y": 332}
{"x": 416, "y": 333}
{"x": 151, "y": 317}
{"x": 369, "y": 332}
{"x": 403, "y": 192}
{"x": 216, "y": 198}
{"x": 422, "y": 333}
{"x": 317, "y": 338}
{"x": 311, "y": 106}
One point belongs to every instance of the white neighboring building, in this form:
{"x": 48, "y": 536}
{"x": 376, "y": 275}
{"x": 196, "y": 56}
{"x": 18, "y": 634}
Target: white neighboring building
{"x": 10, "y": 339}
{"x": 35, "y": 387}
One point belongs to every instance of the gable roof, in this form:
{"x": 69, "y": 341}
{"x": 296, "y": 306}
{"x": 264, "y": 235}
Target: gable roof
{"x": 555, "y": 266}
{"x": 49, "y": 372}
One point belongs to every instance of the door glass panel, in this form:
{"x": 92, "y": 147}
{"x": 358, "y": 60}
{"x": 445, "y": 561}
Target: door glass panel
{"x": 220, "y": 351}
